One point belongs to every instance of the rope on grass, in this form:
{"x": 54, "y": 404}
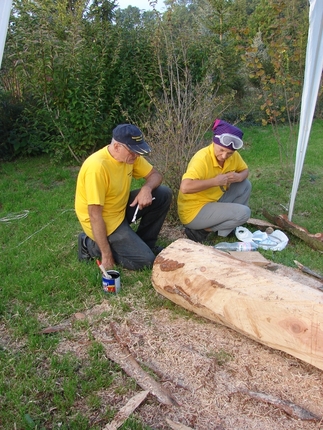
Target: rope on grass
{"x": 42, "y": 228}
{"x": 15, "y": 216}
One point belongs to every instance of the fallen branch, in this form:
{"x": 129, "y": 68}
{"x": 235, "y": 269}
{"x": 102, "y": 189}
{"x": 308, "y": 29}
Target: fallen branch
{"x": 315, "y": 241}
{"x": 290, "y": 408}
{"x": 120, "y": 354}
{"x": 162, "y": 376}
{"x": 308, "y": 271}
{"x": 124, "y": 412}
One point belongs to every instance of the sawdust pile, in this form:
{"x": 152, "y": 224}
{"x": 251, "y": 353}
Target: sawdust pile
{"x": 209, "y": 369}
{"x": 205, "y": 367}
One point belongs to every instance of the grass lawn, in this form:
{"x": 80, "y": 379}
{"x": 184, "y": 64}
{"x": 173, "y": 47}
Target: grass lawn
{"x": 43, "y": 284}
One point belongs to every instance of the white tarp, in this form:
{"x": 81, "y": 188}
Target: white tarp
{"x": 312, "y": 79}
{"x": 5, "y": 9}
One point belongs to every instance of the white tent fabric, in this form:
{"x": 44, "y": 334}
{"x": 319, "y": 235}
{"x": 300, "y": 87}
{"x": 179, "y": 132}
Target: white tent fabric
{"x": 5, "y": 9}
{"x": 312, "y": 79}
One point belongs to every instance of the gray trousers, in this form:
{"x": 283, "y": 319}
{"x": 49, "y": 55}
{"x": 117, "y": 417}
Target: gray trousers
{"x": 229, "y": 212}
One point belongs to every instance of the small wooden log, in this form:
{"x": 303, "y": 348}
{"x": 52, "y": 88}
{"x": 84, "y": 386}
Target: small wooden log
{"x": 261, "y": 224}
{"x": 315, "y": 241}
{"x": 272, "y": 309}
{"x": 308, "y": 270}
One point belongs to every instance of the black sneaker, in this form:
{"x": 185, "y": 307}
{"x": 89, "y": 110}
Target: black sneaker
{"x": 157, "y": 249}
{"x": 196, "y": 235}
{"x": 82, "y": 252}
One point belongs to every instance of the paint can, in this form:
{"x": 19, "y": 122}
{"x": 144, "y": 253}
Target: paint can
{"x": 112, "y": 284}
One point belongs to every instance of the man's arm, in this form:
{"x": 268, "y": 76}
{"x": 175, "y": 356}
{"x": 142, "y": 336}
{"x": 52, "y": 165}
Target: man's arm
{"x": 144, "y": 197}
{"x": 100, "y": 235}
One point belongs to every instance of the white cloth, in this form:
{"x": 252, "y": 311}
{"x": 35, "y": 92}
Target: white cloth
{"x": 312, "y": 79}
{"x": 5, "y": 8}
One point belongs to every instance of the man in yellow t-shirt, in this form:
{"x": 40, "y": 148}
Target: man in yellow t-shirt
{"x": 215, "y": 191}
{"x": 106, "y": 207}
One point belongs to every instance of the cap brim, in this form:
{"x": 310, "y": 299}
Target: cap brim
{"x": 142, "y": 149}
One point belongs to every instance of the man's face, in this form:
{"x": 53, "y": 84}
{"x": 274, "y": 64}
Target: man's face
{"x": 126, "y": 155}
{"x": 222, "y": 153}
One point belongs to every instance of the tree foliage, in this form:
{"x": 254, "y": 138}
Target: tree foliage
{"x": 73, "y": 69}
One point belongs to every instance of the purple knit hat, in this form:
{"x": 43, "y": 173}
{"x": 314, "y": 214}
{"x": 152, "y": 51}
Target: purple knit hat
{"x": 227, "y": 135}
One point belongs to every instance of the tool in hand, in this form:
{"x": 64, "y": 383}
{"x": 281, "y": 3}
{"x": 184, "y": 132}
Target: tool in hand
{"x": 105, "y": 273}
{"x": 134, "y": 218}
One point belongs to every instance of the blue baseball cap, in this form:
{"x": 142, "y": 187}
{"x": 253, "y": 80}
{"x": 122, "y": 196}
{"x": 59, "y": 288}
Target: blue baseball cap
{"x": 131, "y": 136}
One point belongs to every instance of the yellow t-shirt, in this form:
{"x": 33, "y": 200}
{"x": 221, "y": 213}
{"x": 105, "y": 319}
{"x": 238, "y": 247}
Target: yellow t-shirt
{"x": 104, "y": 181}
{"x": 204, "y": 165}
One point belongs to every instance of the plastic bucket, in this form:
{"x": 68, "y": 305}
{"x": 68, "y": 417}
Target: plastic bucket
{"x": 113, "y": 284}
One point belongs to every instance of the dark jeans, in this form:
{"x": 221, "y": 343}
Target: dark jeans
{"x": 132, "y": 249}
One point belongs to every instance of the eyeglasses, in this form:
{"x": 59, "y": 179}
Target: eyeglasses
{"x": 129, "y": 150}
{"x": 227, "y": 139}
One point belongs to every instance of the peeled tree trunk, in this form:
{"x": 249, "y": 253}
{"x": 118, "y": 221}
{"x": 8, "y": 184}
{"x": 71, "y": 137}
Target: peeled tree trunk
{"x": 272, "y": 309}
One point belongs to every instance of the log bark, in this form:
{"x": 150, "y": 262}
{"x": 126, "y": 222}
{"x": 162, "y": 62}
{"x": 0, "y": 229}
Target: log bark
{"x": 267, "y": 307}
{"x": 126, "y": 411}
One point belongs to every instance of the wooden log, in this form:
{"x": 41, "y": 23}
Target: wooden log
{"x": 315, "y": 241}
{"x": 270, "y": 308}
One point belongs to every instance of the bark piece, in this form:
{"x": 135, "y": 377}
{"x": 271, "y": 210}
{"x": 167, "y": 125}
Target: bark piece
{"x": 124, "y": 412}
{"x": 121, "y": 355}
{"x": 315, "y": 241}
{"x": 54, "y": 329}
{"x": 267, "y": 307}
{"x": 177, "y": 426}
{"x": 290, "y": 408}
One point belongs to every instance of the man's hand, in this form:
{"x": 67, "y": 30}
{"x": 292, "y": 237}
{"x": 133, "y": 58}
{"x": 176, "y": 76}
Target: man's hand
{"x": 107, "y": 261}
{"x": 143, "y": 198}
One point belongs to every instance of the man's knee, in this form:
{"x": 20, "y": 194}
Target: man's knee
{"x": 164, "y": 193}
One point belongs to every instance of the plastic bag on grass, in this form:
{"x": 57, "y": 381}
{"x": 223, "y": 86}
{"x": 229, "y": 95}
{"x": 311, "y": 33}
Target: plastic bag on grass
{"x": 276, "y": 241}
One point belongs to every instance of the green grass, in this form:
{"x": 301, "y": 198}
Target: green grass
{"x": 43, "y": 284}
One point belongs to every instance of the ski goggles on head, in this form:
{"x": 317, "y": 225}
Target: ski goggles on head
{"x": 229, "y": 140}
